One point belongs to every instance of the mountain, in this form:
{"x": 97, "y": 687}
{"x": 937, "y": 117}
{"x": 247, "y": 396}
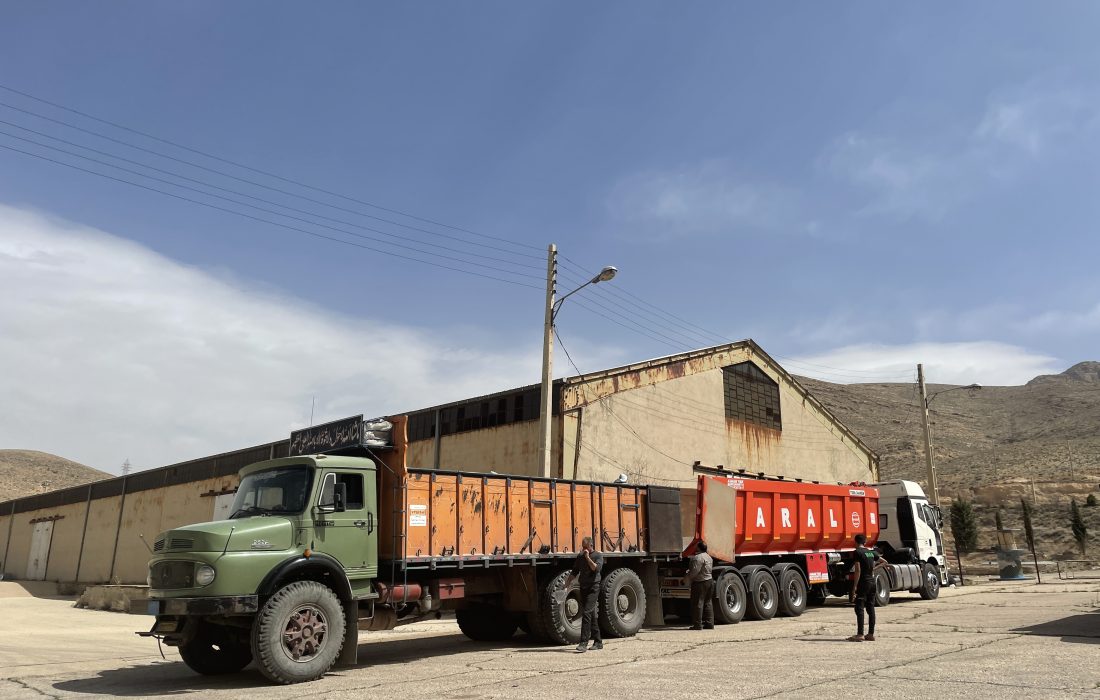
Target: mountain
{"x": 993, "y": 445}
{"x": 28, "y": 472}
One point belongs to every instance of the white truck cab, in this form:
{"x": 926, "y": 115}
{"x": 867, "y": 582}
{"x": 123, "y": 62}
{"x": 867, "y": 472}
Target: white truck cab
{"x": 910, "y": 529}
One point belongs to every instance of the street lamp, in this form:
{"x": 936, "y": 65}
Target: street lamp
{"x": 929, "y": 462}
{"x": 552, "y": 308}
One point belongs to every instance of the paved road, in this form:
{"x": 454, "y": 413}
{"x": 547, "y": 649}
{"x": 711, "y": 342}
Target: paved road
{"x": 986, "y": 641}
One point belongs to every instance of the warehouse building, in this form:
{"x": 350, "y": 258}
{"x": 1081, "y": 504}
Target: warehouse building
{"x": 651, "y": 422}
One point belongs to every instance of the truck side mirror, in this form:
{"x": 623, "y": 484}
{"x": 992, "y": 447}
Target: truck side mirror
{"x": 339, "y": 497}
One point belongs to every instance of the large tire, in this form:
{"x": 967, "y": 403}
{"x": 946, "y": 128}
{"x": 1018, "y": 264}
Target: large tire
{"x": 559, "y": 622}
{"x": 930, "y": 582}
{"x": 486, "y": 623}
{"x": 622, "y": 603}
{"x": 882, "y": 589}
{"x": 763, "y": 595}
{"x": 216, "y": 649}
{"x": 298, "y": 633}
{"x": 793, "y": 593}
{"x": 730, "y": 599}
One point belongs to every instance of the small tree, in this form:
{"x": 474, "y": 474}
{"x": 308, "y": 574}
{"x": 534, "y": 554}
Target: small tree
{"x": 997, "y": 519}
{"x": 1077, "y": 525}
{"x": 1029, "y": 534}
{"x": 1091, "y": 500}
{"x": 964, "y": 526}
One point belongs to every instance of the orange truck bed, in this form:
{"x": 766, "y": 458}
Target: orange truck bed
{"x": 432, "y": 518}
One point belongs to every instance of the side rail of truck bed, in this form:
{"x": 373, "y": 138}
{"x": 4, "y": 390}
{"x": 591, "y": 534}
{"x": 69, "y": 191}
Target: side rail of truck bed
{"x": 465, "y": 520}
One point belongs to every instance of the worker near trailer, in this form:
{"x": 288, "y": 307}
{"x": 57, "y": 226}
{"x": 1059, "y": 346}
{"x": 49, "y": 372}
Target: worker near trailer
{"x": 867, "y": 561}
{"x": 587, "y": 571}
{"x": 702, "y": 588}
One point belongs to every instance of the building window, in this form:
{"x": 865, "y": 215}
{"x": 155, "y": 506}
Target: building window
{"x": 751, "y": 395}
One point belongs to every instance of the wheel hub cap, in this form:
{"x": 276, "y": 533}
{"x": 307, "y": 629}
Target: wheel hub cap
{"x": 304, "y": 634}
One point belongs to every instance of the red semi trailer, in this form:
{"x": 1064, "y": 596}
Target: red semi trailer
{"x": 788, "y": 537}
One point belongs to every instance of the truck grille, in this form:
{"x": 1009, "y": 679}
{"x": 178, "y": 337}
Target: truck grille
{"x": 172, "y": 574}
{"x": 181, "y": 543}
{"x": 158, "y": 545}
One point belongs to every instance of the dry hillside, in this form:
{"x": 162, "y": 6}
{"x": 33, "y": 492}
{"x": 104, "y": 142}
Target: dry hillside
{"x": 993, "y": 445}
{"x": 28, "y": 472}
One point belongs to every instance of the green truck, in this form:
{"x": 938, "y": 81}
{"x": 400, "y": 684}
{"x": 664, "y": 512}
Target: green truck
{"x": 344, "y": 538}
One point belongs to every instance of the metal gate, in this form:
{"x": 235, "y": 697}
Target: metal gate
{"x": 41, "y": 537}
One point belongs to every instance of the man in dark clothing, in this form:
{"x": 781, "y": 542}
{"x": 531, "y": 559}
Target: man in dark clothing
{"x": 867, "y": 561}
{"x": 702, "y": 588}
{"x": 586, "y": 570}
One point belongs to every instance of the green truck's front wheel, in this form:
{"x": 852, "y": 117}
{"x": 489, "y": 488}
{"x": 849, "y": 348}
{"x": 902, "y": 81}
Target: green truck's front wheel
{"x": 298, "y": 633}
{"x": 215, "y": 649}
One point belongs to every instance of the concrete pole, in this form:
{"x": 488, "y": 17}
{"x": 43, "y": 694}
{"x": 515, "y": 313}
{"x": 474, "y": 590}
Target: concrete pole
{"x": 548, "y": 361}
{"x": 929, "y": 462}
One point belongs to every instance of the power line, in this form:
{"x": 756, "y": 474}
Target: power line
{"x": 272, "y": 212}
{"x": 262, "y": 172}
{"x": 252, "y": 182}
{"x": 238, "y": 193}
{"x": 265, "y": 221}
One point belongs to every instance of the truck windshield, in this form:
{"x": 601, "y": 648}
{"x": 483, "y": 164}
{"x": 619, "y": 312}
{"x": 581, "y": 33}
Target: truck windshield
{"x": 282, "y": 490}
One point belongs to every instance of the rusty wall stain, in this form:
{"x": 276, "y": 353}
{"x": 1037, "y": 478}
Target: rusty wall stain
{"x": 756, "y": 438}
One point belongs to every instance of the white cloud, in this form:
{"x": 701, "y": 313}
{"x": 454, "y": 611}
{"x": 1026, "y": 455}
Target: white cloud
{"x": 708, "y": 198}
{"x": 1035, "y": 117}
{"x": 109, "y": 350}
{"x": 1062, "y": 322}
{"x": 925, "y": 177}
{"x": 982, "y": 362}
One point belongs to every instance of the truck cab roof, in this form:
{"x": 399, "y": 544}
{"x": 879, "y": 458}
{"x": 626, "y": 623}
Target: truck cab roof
{"x": 313, "y": 461}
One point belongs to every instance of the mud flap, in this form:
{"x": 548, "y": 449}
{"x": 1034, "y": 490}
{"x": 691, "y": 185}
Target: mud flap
{"x": 349, "y": 653}
{"x": 654, "y": 605}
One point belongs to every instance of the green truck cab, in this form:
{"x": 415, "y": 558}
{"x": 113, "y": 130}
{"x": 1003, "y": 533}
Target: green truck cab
{"x": 274, "y": 581}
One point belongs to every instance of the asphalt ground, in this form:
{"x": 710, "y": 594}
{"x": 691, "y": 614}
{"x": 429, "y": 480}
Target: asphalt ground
{"x": 985, "y": 641}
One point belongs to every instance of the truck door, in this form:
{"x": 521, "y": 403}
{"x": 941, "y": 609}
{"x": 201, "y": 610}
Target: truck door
{"x": 907, "y": 528}
{"x": 350, "y": 536}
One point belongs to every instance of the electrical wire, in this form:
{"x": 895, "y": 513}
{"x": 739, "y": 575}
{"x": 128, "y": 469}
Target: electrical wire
{"x": 258, "y": 171}
{"x": 277, "y": 213}
{"x": 250, "y": 182}
{"x": 265, "y": 221}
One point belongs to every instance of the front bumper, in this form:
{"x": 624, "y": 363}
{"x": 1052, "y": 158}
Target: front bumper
{"x": 210, "y": 605}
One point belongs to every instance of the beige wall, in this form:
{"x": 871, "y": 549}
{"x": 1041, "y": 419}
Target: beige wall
{"x": 99, "y": 543}
{"x": 65, "y": 546}
{"x": 654, "y": 421}
{"x": 20, "y": 549}
{"x": 507, "y": 449}
{"x": 655, "y": 433}
{"x": 5, "y": 526}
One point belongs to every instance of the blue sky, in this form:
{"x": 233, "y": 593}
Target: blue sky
{"x": 857, "y": 186}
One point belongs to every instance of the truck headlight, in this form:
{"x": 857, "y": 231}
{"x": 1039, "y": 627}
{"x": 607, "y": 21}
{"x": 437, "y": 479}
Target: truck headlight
{"x": 204, "y": 575}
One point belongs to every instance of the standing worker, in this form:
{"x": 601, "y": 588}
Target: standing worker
{"x": 586, "y": 569}
{"x": 702, "y": 588}
{"x": 867, "y": 561}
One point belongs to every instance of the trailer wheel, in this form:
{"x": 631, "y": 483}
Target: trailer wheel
{"x": 729, "y": 591}
{"x": 622, "y": 603}
{"x": 930, "y": 586}
{"x": 882, "y": 589}
{"x": 486, "y": 623}
{"x": 215, "y": 650}
{"x": 763, "y": 595}
{"x": 792, "y": 593}
{"x": 561, "y": 622}
{"x": 298, "y": 633}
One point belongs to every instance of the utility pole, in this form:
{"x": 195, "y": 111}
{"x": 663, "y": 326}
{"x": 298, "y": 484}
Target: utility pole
{"x": 126, "y": 467}
{"x": 929, "y": 461}
{"x": 548, "y": 361}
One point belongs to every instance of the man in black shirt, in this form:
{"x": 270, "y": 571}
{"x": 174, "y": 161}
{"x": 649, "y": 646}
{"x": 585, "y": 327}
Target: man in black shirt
{"x": 867, "y": 561}
{"x": 586, "y": 569}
